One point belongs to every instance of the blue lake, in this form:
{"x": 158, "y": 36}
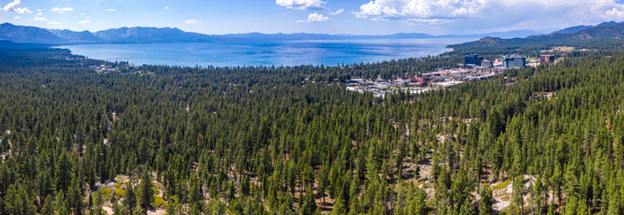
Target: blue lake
{"x": 326, "y": 52}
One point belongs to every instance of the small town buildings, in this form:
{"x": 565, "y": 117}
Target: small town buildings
{"x": 547, "y": 59}
{"x": 514, "y": 61}
{"x": 472, "y": 60}
{"x": 487, "y": 64}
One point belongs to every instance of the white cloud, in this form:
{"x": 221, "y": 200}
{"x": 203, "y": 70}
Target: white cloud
{"x": 101, "y": 21}
{"x": 110, "y": 10}
{"x": 82, "y": 14}
{"x": 39, "y": 14}
{"x": 62, "y": 10}
{"x": 39, "y": 19}
{"x": 337, "y": 12}
{"x": 302, "y": 4}
{"x": 315, "y": 17}
{"x": 54, "y": 23}
{"x": 84, "y": 22}
{"x": 14, "y": 7}
{"x": 167, "y": 8}
{"x": 191, "y": 21}
{"x": 421, "y": 10}
{"x": 17, "y": 17}
{"x": 38, "y": 10}
{"x": 493, "y": 14}
{"x": 615, "y": 13}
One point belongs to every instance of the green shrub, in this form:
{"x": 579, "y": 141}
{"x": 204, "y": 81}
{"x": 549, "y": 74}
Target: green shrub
{"x": 501, "y": 185}
{"x": 156, "y": 191}
{"x": 159, "y": 202}
{"x": 106, "y": 191}
{"x": 120, "y": 192}
{"x": 118, "y": 185}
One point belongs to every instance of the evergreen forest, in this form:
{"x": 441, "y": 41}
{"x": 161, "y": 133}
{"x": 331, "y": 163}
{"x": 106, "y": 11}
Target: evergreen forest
{"x": 291, "y": 140}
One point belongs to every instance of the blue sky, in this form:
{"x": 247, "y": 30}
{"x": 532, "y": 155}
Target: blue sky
{"x": 376, "y": 17}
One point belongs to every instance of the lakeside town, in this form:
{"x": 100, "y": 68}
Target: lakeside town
{"x": 474, "y": 68}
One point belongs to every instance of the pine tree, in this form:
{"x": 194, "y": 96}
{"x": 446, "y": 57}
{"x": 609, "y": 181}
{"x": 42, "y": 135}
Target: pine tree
{"x": 63, "y": 172}
{"x": 196, "y": 198}
{"x": 118, "y": 209}
{"x": 98, "y": 201}
{"x": 92, "y": 178}
{"x": 309, "y": 206}
{"x": 146, "y": 194}
{"x": 48, "y": 206}
{"x": 518, "y": 192}
{"x": 537, "y": 192}
{"x": 339, "y": 207}
{"x": 129, "y": 199}
{"x": 65, "y": 209}
{"x": 486, "y": 201}
{"x": 466, "y": 208}
{"x": 172, "y": 207}
{"x": 75, "y": 196}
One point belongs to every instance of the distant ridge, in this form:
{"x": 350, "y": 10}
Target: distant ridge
{"x": 582, "y": 36}
{"x": 26, "y": 34}
{"x": 151, "y": 35}
{"x": 575, "y": 29}
{"x": 78, "y": 37}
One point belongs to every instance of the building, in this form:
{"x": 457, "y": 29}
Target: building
{"x": 514, "y": 61}
{"x": 473, "y": 59}
{"x": 487, "y": 64}
{"x": 533, "y": 63}
{"x": 547, "y": 59}
{"x": 419, "y": 80}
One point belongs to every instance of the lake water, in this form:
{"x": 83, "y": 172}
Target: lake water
{"x": 326, "y": 52}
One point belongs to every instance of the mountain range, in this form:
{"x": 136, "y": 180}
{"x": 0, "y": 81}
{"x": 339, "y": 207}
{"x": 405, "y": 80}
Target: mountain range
{"x": 35, "y": 35}
{"x": 579, "y": 36}
{"x": 27, "y": 34}
{"x": 575, "y": 29}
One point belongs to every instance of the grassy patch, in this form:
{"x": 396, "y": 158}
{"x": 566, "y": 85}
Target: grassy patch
{"x": 501, "y": 185}
{"x": 505, "y": 198}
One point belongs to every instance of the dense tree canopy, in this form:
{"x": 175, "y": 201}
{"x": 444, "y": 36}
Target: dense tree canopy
{"x": 292, "y": 140}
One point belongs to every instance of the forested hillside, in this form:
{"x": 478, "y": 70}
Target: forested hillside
{"x": 607, "y": 35}
{"x": 292, "y": 140}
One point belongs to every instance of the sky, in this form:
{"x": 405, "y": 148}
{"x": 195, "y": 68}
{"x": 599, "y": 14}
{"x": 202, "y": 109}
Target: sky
{"x": 357, "y": 17}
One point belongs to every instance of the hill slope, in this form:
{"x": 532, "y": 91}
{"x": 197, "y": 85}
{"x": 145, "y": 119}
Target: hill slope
{"x": 151, "y": 35}
{"x": 608, "y": 34}
{"x": 77, "y": 37}
{"x": 26, "y": 34}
